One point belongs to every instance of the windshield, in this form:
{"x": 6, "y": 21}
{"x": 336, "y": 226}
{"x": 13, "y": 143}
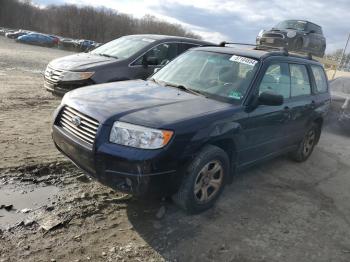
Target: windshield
{"x": 123, "y": 47}
{"x": 292, "y": 24}
{"x": 216, "y": 75}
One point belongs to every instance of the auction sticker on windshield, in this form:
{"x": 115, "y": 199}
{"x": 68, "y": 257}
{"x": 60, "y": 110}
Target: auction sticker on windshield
{"x": 243, "y": 60}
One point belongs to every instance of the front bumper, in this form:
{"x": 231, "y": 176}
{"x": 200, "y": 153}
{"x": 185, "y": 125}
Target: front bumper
{"x": 135, "y": 171}
{"x": 272, "y": 41}
{"x": 60, "y": 88}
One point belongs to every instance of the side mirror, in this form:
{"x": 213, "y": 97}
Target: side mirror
{"x": 270, "y": 99}
{"x": 149, "y": 60}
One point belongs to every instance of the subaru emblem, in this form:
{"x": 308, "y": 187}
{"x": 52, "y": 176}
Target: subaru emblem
{"x": 76, "y": 120}
{"x": 50, "y": 73}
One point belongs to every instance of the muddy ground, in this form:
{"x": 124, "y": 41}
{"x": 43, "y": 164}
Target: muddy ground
{"x": 278, "y": 211}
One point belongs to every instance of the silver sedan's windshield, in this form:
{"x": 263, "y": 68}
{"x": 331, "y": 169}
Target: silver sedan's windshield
{"x": 123, "y": 47}
{"x": 212, "y": 74}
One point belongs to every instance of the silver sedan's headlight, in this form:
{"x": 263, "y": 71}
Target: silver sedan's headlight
{"x": 138, "y": 136}
{"x": 74, "y": 76}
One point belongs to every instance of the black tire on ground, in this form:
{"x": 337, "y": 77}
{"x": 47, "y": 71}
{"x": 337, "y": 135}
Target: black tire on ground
{"x": 203, "y": 181}
{"x": 305, "y": 148}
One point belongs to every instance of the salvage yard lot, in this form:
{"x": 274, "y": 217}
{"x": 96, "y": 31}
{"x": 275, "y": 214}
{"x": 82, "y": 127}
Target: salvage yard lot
{"x": 277, "y": 211}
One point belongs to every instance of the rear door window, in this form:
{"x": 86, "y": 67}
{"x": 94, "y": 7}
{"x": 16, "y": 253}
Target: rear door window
{"x": 163, "y": 53}
{"x": 300, "y": 82}
{"x": 320, "y": 79}
{"x": 276, "y": 80}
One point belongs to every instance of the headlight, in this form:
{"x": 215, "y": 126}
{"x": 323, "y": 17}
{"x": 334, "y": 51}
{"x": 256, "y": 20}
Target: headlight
{"x": 73, "y": 76}
{"x": 139, "y": 136}
{"x": 261, "y": 32}
{"x": 291, "y": 34}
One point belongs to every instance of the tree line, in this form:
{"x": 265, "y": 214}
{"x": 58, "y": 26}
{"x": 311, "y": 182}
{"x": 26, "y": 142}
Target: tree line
{"x": 86, "y": 22}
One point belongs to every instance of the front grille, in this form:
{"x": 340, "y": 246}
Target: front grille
{"x": 274, "y": 35}
{"x": 53, "y": 75}
{"x": 78, "y": 124}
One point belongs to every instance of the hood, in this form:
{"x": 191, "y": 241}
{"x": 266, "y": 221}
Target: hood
{"x": 140, "y": 102}
{"x": 80, "y": 62}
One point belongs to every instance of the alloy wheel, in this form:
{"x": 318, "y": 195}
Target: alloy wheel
{"x": 208, "y": 181}
{"x": 309, "y": 142}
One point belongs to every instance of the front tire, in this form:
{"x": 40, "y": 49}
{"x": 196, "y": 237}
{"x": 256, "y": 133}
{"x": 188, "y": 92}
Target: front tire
{"x": 307, "y": 144}
{"x": 204, "y": 180}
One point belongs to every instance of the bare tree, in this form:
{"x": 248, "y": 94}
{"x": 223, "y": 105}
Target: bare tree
{"x": 99, "y": 24}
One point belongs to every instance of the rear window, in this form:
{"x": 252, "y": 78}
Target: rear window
{"x": 320, "y": 79}
{"x": 300, "y": 83}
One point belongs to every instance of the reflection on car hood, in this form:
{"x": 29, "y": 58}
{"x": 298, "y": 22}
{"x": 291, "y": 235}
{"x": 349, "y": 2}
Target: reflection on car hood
{"x": 80, "y": 62}
{"x": 140, "y": 102}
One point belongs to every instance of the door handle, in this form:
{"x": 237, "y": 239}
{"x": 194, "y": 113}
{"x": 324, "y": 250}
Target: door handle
{"x": 286, "y": 114}
{"x": 313, "y": 104}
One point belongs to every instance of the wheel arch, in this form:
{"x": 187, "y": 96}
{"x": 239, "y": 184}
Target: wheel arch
{"x": 229, "y": 147}
{"x": 319, "y": 122}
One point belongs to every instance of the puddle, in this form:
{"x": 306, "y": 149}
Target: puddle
{"x": 26, "y": 197}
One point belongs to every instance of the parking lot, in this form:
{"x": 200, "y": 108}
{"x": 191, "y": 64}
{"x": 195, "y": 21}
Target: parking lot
{"x": 277, "y": 211}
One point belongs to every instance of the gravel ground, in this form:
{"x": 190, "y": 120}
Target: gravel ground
{"x": 278, "y": 211}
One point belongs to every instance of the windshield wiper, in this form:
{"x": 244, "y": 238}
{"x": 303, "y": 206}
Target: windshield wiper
{"x": 109, "y": 56}
{"x": 183, "y": 88}
{"x": 154, "y": 80}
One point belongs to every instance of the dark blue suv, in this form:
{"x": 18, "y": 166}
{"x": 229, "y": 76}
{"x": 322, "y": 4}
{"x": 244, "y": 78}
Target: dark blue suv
{"x": 189, "y": 128}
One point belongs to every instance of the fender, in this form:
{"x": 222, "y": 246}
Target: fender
{"x": 223, "y": 134}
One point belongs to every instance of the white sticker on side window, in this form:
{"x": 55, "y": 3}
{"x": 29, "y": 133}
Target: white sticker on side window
{"x": 243, "y": 60}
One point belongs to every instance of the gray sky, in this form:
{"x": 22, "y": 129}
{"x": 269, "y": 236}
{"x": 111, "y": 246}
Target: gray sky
{"x": 239, "y": 21}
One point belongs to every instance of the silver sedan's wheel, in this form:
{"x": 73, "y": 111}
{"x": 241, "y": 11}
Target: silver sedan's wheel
{"x": 209, "y": 181}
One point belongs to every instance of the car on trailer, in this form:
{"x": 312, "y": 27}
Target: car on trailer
{"x": 295, "y": 35}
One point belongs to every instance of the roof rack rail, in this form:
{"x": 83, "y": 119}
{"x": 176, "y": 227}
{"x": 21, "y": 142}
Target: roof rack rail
{"x": 224, "y": 43}
{"x": 307, "y": 56}
{"x": 257, "y": 47}
{"x": 284, "y": 50}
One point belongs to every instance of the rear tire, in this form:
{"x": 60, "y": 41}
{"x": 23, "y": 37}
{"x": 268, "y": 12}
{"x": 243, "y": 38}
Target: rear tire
{"x": 204, "y": 180}
{"x": 307, "y": 145}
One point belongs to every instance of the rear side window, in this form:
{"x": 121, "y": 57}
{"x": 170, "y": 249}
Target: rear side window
{"x": 300, "y": 82}
{"x": 320, "y": 79}
{"x": 317, "y": 29}
{"x": 276, "y": 80}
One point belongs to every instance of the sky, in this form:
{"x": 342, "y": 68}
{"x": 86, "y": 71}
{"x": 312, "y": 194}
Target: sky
{"x": 238, "y": 21}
